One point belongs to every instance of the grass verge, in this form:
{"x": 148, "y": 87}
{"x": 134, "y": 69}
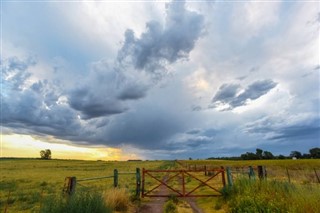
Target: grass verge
{"x": 271, "y": 196}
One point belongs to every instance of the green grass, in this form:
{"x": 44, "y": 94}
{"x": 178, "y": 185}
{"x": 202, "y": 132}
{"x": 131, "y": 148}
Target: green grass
{"x": 78, "y": 203}
{"x": 301, "y": 173}
{"x": 272, "y": 196}
{"x": 31, "y": 181}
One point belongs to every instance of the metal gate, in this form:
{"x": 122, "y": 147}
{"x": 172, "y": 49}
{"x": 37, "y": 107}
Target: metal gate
{"x": 199, "y": 178}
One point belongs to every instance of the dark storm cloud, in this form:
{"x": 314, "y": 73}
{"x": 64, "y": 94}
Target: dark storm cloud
{"x": 132, "y": 92}
{"x": 162, "y": 44}
{"x": 96, "y": 107}
{"x": 27, "y": 112}
{"x": 93, "y": 105}
{"x": 105, "y": 94}
{"x": 228, "y": 93}
{"x": 304, "y": 129}
{"x": 196, "y": 142}
{"x": 148, "y": 129}
{"x": 33, "y": 109}
{"x": 298, "y": 132}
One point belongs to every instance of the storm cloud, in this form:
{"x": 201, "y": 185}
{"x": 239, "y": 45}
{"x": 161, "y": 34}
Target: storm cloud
{"x": 163, "y": 80}
{"x": 230, "y": 94}
{"x": 163, "y": 43}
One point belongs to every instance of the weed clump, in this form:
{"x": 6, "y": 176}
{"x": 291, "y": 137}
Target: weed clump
{"x": 170, "y": 207}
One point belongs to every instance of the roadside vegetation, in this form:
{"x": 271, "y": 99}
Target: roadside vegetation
{"x": 290, "y": 186}
{"x": 270, "y": 196}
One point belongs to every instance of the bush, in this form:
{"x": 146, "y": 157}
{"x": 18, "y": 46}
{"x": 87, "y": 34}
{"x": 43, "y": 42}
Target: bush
{"x": 78, "y": 203}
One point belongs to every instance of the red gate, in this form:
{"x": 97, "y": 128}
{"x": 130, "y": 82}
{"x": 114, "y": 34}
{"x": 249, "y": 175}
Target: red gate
{"x": 184, "y": 190}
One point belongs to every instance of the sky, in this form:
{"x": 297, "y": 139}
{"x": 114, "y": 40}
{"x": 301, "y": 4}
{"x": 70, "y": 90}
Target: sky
{"x": 176, "y": 79}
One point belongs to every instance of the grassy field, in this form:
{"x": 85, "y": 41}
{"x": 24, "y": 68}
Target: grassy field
{"x": 29, "y": 181}
{"x": 291, "y": 186}
{"x": 26, "y": 183}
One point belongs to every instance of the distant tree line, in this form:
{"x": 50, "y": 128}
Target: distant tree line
{"x": 261, "y": 154}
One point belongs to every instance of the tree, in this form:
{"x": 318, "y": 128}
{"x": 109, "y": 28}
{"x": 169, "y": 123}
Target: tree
{"x": 295, "y": 154}
{"x": 315, "y": 152}
{"x": 267, "y": 155}
{"x": 249, "y": 156}
{"x": 259, "y": 153}
{"x": 45, "y": 154}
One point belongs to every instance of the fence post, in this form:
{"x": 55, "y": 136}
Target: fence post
{"x": 142, "y": 188}
{"x": 183, "y": 184}
{"x": 288, "y": 175}
{"x": 70, "y": 185}
{"x": 205, "y": 170}
{"x": 138, "y": 181}
{"x": 251, "y": 173}
{"x": 223, "y": 177}
{"x": 262, "y": 173}
{"x": 316, "y": 175}
{"x": 115, "y": 178}
{"x": 229, "y": 177}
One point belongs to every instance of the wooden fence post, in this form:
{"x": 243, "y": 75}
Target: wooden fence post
{"x": 142, "y": 187}
{"x": 288, "y": 175}
{"x": 205, "y": 170}
{"x": 115, "y": 178}
{"x": 229, "y": 177}
{"x": 251, "y": 173}
{"x": 317, "y": 175}
{"x": 262, "y": 173}
{"x": 70, "y": 185}
{"x": 138, "y": 182}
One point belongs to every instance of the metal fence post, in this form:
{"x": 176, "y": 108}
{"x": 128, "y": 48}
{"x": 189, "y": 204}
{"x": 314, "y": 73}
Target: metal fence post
{"x": 115, "y": 178}
{"x": 251, "y": 173}
{"x": 223, "y": 176}
{"x": 229, "y": 177}
{"x": 138, "y": 182}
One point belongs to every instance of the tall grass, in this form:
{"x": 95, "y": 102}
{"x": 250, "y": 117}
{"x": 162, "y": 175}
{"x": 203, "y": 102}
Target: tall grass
{"x": 79, "y": 203}
{"x": 117, "y": 199}
{"x": 272, "y": 196}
